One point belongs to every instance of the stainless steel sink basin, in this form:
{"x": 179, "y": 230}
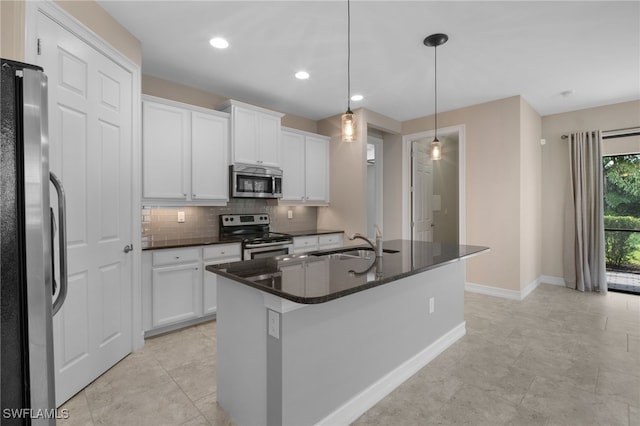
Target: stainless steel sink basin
{"x": 351, "y": 253}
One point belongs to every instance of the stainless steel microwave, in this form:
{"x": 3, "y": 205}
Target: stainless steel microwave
{"x": 247, "y": 181}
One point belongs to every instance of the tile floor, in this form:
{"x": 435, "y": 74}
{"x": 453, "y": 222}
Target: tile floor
{"x": 559, "y": 357}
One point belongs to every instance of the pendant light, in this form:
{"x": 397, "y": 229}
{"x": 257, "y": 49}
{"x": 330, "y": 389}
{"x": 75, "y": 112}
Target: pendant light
{"x": 348, "y": 118}
{"x": 435, "y": 40}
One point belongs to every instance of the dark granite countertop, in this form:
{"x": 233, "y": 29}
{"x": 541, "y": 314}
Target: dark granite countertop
{"x": 332, "y": 277}
{"x": 187, "y": 242}
{"x": 203, "y": 241}
{"x": 310, "y": 232}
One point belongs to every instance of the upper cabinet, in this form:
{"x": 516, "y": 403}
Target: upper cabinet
{"x": 305, "y": 167}
{"x": 255, "y": 134}
{"x": 184, "y": 153}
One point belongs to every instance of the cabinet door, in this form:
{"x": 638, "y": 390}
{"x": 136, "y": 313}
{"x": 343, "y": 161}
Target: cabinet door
{"x": 245, "y": 133}
{"x": 317, "y": 169}
{"x": 209, "y": 171}
{"x": 165, "y": 151}
{"x": 176, "y": 294}
{"x": 293, "y": 169}
{"x": 210, "y": 286}
{"x": 305, "y": 244}
{"x": 269, "y": 140}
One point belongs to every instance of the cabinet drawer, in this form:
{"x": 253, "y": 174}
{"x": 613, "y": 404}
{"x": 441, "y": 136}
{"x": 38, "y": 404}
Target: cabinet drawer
{"x": 302, "y": 244}
{"x": 172, "y": 257}
{"x": 221, "y": 251}
{"x": 331, "y": 240}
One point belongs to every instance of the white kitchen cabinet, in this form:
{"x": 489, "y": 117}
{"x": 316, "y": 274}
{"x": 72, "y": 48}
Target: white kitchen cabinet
{"x": 184, "y": 154}
{"x": 305, "y": 244}
{"x": 255, "y": 134}
{"x": 165, "y": 151}
{"x": 177, "y": 290}
{"x": 329, "y": 241}
{"x": 176, "y": 286}
{"x": 214, "y": 255}
{"x": 305, "y": 166}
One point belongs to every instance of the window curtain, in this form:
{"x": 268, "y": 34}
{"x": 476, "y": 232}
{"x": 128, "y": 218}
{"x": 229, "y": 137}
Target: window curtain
{"x": 584, "y": 248}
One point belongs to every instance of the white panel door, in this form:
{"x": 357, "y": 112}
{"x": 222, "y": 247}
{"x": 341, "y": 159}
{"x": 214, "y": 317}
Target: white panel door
{"x": 422, "y": 191}
{"x": 90, "y": 128}
{"x": 209, "y": 170}
{"x": 317, "y": 164}
{"x": 165, "y": 151}
{"x": 293, "y": 169}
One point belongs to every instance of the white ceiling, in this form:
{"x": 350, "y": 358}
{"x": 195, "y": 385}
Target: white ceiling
{"x": 495, "y": 50}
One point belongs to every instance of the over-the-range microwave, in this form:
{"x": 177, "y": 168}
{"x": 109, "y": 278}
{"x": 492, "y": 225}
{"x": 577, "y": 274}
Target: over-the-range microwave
{"x": 248, "y": 181}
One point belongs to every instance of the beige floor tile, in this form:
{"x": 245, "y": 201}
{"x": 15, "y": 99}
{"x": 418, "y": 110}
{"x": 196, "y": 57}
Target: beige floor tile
{"x": 634, "y": 416}
{"x": 196, "y": 378}
{"x": 210, "y": 409}
{"x": 75, "y": 412}
{"x": 567, "y": 405}
{"x": 187, "y": 350}
{"x": 622, "y": 387}
{"x": 624, "y": 325}
{"x": 197, "y": 421}
{"x": 633, "y": 344}
{"x": 164, "y": 404}
{"x": 135, "y": 374}
{"x": 475, "y": 406}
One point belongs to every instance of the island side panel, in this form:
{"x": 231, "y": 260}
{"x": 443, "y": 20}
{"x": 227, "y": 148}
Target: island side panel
{"x": 241, "y": 366}
{"x": 332, "y": 352}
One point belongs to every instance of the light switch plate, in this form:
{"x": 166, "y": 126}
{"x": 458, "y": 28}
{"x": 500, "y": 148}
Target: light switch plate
{"x": 180, "y": 217}
{"x": 432, "y": 304}
{"x": 289, "y": 214}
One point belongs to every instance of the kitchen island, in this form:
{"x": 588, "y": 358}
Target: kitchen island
{"x": 322, "y": 337}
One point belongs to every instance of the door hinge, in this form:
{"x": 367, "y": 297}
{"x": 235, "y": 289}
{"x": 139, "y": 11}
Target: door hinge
{"x": 39, "y": 48}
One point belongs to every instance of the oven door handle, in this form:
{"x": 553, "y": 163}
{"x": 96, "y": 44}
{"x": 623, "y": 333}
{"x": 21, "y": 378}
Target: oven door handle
{"x": 260, "y": 245}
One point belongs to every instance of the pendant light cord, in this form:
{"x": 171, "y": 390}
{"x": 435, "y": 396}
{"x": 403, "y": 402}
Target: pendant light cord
{"x": 435, "y": 89}
{"x": 348, "y": 55}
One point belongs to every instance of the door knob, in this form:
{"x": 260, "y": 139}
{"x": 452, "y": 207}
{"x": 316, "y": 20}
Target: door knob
{"x": 128, "y": 248}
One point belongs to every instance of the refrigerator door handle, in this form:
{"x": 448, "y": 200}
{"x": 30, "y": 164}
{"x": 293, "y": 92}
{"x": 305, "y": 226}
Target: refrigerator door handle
{"x": 62, "y": 241}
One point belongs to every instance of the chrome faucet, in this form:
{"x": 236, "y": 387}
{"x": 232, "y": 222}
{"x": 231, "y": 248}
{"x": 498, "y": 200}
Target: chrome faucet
{"x": 377, "y": 247}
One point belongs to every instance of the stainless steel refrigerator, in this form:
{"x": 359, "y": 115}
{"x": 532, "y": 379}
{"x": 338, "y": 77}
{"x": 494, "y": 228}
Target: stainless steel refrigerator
{"x": 33, "y": 269}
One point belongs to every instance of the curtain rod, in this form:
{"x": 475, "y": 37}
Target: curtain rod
{"x": 619, "y": 133}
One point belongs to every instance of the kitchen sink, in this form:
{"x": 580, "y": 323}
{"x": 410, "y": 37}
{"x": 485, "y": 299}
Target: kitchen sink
{"x": 352, "y": 253}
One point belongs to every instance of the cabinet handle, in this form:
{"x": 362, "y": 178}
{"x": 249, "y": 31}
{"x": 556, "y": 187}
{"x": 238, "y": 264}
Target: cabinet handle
{"x": 193, "y": 195}
{"x": 196, "y": 269}
{"x": 177, "y": 257}
{"x": 221, "y": 252}
{"x": 185, "y": 195}
{"x": 302, "y": 198}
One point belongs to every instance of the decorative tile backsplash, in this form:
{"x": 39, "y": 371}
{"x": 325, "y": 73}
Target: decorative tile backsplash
{"x": 161, "y": 223}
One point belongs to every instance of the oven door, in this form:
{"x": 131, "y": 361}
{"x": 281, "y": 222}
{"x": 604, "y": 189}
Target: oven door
{"x": 258, "y": 251}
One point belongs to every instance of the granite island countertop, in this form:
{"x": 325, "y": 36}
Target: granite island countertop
{"x": 164, "y": 243}
{"x": 338, "y": 276}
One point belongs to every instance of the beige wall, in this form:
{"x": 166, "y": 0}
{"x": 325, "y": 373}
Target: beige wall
{"x": 161, "y": 88}
{"x": 492, "y": 186}
{"x": 392, "y": 186}
{"x": 12, "y": 30}
{"x": 554, "y": 167}
{"x": 89, "y": 13}
{"x": 530, "y": 195}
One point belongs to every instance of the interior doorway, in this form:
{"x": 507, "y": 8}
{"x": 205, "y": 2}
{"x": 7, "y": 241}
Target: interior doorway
{"x": 375, "y": 181}
{"x": 434, "y": 190}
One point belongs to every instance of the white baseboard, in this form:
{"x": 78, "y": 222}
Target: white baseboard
{"x": 548, "y": 279}
{"x": 513, "y": 294}
{"x": 493, "y": 291}
{"x": 369, "y": 397}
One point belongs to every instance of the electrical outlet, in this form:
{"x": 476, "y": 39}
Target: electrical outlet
{"x": 289, "y": 214}
{"x": 432, "y": 305}
{"x": 274, "y": 324}
{"x": 180, "y": 217}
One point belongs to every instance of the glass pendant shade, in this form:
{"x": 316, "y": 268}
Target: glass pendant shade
{"x": 348, "y": 126}
{"x": 436, "y": 149}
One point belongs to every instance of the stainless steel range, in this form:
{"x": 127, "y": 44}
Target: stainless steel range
{"x": 257, "y": 240}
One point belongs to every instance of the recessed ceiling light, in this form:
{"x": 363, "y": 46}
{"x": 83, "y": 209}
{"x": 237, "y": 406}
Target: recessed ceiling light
{"x": 357, "y": 98}
{"x": 219, "y": 43}
{"x": 302, "y": 75}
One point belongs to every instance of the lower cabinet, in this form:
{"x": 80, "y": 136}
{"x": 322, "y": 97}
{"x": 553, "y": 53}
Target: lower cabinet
{"x": 177, "y": 290}
{"x": 175, "y": 294}
{"x": 317, "y": 242}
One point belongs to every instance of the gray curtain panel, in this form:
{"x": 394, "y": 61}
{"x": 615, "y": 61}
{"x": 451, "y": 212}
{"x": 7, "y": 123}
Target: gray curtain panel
{"x": 584, "y": 260}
